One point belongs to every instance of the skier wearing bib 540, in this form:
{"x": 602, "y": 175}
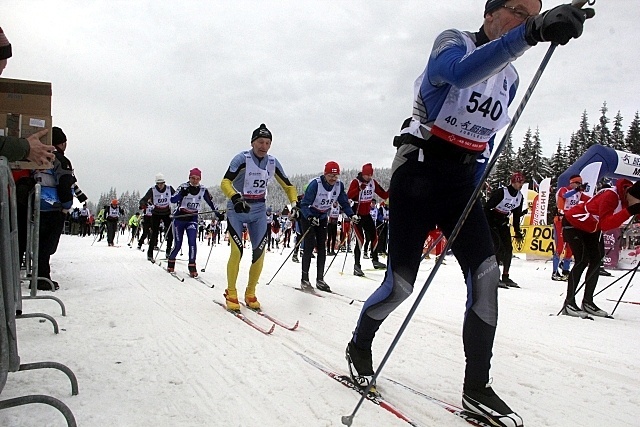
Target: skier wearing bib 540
{"x": 460, "y": 103}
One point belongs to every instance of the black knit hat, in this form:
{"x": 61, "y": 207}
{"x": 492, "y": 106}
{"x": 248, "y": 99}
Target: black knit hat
{"x": 57, "y": 136}
{"x": 261, "y": 132}
{"x": 492, "y": 5}
{"x": 5, "y": 46}
{"x": 634, "y": 190}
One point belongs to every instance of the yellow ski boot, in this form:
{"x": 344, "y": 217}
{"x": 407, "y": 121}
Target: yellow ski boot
{"x": 231, "y": 299}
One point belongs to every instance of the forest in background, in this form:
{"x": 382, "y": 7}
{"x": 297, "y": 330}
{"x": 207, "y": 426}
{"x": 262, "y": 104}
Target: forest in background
{"x": 527, "y": 159}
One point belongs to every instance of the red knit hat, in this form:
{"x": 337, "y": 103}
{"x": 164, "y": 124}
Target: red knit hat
{"x": 367, "y": 169}
{"x": 332, "y": 167}
{"x": 517, "y": 177}
{"x": 195, "y": 172}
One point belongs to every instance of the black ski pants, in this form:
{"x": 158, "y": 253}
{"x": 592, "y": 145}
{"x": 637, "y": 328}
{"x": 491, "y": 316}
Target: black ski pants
{"x": 588, "y": 252}
{"x": 365, "y": 229}
{"x": 155, "y": 231}
{"x": 424, "y": 194}
{"x": 332, "y": 235}
{"x": 501, "y": 235}
{"x": 316, "y": 237}
{"x": 146, "y": 230}
{"x": 112, "y": 227}
{"x": 51, "y": 226}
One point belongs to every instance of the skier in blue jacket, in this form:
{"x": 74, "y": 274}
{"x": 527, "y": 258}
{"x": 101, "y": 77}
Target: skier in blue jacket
{"x": 460, "y": 103}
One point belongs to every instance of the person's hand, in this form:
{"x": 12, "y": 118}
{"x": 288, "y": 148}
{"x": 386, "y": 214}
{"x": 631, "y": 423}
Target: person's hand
{"x": 314, "y": 221}
{"x": 295, "y": 212}
{"x": 558, "y": 25}
{"x": 519, "y": 236}
{"x": 634, "y": 209}
{"x": 40, "y": 153}
{"x": 355, "y": 219}
{"x": 582, "y": 187}
{"x": 240, "y": 205}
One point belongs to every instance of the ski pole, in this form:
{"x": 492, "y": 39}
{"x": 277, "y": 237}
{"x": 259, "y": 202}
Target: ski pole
{"x": 597, "y": 271}
{"x": 96, "y": 236}
{"x": 612, "y": 283}
{"x": 344, "y": 242}
{"x": 346, "y": 252}
{"x": 199, "y": 213}
{"x": 431, "y": 246}
{"x": 209, "y": 256}
{"x": 635, "y": 270}
{"x": 287, "y": 258}
{"x": 348, "y": 419}
{"x": 165, "y": 238}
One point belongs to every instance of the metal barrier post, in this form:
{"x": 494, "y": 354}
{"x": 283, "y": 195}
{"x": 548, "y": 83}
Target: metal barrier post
{"x": 10, "y": 298}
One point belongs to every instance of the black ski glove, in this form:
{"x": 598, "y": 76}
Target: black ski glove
{"x": 558, "y": 25}
{"x": 634, "y": 209}
{"x": 314, "y": 221}
{"x": 519, "y": 236}
{"x": 239, "y": 204}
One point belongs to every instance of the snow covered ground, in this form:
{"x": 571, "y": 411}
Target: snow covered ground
{"x": 151, "y": 351}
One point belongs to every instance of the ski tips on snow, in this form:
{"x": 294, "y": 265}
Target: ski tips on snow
{"x": 273, "y": 319}
{"x": 243, "y": 318}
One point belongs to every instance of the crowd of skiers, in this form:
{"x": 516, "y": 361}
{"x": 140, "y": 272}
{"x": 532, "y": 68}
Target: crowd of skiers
{"x": 461, "y": 101}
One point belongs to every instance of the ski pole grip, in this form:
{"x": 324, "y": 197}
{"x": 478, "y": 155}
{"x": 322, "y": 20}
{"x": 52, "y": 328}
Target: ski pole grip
{"x": 589, "y": 13}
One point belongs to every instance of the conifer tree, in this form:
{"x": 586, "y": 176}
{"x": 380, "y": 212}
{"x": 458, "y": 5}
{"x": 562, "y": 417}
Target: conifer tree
{"x": 601, "y": 133}
{"x": 583, "y": 138}
{"x": 573, "y": 150}
{"x": 558, "y": 164}
{"x": 534, "y": 166}
{"x": 504, "y": 166}
{"x": 632, "y": 141}
{"x": 617, "y": 134}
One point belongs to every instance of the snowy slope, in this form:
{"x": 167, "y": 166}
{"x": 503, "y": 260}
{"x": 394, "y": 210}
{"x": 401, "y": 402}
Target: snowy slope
{"x": 151, "y": 351}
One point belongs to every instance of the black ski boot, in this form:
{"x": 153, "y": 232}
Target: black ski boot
{"x": 360, "y": 365}
{"x": 305, "y": 285}
{"x": 322, "y": 285}
{"x": 294, "y": 258}
{"x": 510, "y": 283}
{"x": 603, "y": 272}
{"x": 486, "y": 403}
{"x": 357, "y": 271}
{"x": 378, "y": 265}
{"x": 593, "y": 309}
{"x": 571, "y": 309}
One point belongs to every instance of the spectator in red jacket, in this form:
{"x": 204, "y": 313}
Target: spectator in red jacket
{"x": 582, "y": 228}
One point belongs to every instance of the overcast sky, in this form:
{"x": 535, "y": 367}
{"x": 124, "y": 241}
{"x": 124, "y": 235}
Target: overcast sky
{"x": 142, "y": 87}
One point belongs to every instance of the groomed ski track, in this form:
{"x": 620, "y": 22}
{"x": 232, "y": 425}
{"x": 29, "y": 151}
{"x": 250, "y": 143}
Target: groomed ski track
{"x": 163, "y": 354}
